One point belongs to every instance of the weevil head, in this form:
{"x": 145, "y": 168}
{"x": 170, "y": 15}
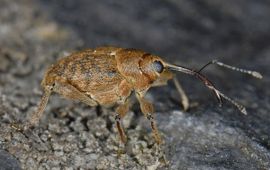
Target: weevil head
{"x": 155, "y": 68}
{"x": 142, "y": 70}
{"x": 151, "y": 65}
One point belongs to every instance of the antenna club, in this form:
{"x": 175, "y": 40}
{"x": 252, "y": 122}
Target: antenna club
{"x": 243, "y": 110}
{"x": 257, "y": 74}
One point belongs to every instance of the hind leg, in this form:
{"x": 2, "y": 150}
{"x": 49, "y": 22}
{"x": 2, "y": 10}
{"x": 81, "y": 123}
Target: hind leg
{"x": 37, "y": 114}
{"x": 63, "y": 89}
{"x": 41, "y": 107}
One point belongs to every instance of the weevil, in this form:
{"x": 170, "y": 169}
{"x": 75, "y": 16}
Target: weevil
{"x": 107, "y": 76}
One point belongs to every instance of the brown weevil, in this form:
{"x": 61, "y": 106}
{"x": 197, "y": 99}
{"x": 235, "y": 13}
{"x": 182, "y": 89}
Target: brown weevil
{"x": 107, "y": 76}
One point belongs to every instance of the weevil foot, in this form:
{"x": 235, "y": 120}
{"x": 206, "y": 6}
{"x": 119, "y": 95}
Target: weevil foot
{"x": 16, "y": 126}
{"x": 160, "y": 154}
{"x": 120, "y": 151}
{"x": 21, "y": 128}
{"x": 26, "y": 129}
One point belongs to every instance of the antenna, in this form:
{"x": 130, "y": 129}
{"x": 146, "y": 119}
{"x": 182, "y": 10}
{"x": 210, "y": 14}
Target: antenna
{"x": 207, "y": 83}
{"x": 250, "y": 72}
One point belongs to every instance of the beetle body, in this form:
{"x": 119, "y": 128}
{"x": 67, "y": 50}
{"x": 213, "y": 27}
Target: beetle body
{"x": 107, "y": 76}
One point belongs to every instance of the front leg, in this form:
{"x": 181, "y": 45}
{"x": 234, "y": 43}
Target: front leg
{"x": 148, "y": 111}
{"x": 184, "y": 98}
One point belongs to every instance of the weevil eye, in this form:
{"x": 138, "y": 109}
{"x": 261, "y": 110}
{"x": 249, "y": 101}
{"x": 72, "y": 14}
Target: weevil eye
{"x": 158, "y": 66}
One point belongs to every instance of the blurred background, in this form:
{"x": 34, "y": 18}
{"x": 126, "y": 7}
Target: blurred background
{"x": 189, "y": 33}
{"x": 33, "y": 34}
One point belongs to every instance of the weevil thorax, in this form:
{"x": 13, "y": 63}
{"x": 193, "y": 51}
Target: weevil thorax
{"x": 139, "y": 68}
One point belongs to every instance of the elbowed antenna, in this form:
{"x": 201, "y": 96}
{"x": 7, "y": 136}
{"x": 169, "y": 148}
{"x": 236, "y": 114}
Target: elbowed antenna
{"x": 250, "y": 72}
{"x": 208, "y": 84}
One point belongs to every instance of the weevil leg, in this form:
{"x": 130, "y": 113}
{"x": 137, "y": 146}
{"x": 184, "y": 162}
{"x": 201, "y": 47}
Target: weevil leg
{"x": 148, "y": 111}
{"x": 41, "y": 107}
{"x": 184, "y": 98}
{"x": 163, "y": 79}
{"x": 121, "y": 111}
{"x": 71, "y": 92}
{"x": 64, "y": 89}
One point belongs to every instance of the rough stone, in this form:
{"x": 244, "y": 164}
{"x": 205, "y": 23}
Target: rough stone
{"x": 71, "y": 135}
{"x": 8, "y": 162}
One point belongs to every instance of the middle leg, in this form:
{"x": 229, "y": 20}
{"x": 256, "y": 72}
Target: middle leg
{"x": 121, "y": 111}
{"x": 148, "y": 111}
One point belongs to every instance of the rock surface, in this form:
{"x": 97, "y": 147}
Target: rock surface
{"x": 71, "y": 135}
{"x": 8, "y": 162}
